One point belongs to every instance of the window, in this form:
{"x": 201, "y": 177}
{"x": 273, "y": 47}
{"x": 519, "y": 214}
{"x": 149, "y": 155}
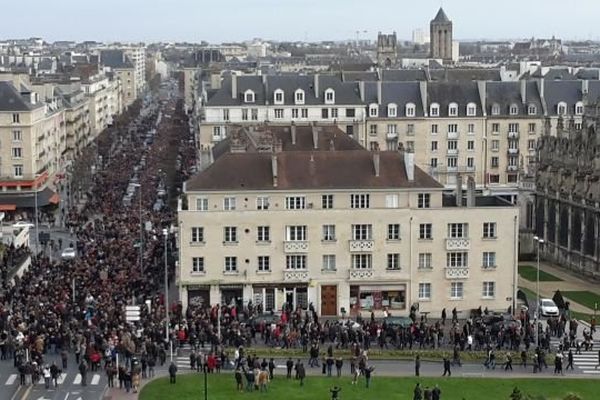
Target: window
{"x": 262, "y": 203}
{"x": 494, "y": 178}
{"x": 434, "y": 129}
{"x": 202, "y": 204}
{"x": 495, "y": 128}
{"x": 329, "y": 96}
{"x": 471, "y": 128}
{"x": 496, "y": 109}
{"x": 198, "y": 234}
{"x": 304, "y": 113}
{"x": 295, "y": 233}
{"x": 471, "y": 110}
{"x": 359, "y": 201}
{"x": 531, "y": 109}
{"x": 425, "y": 261}
{"x": 457, "y": 259}
{"x": 334, "y": 113}
{"x": 470, "y": 145}
{"x": 452, "y": 128}
{"x": 513, "y": 127}
{"x": 230, "y": 264}
{"x": 328, "y": 262}
{"x": 579, "y": 108}
{"x": 514, "y": 109}
{"x": 425, "y": 231}
{"x": 294, "y": 113}
{"x": 329, "y": 233}
{"x": 489, "y": 259}
{"x": 295, "y": 202}
{"x": 263, "y": 234}
{"x": 197, "y": 264}
{"x": 244, "y": 114}
{"x": 392, "y": 110}
{"x": 226, "y": 114}
{"x": 249, "y": 96}
{"x": 410, "y": 110}
{"x": 433, "y": 162}
{"x": 393, "y": 232}
{"x": 217, "y": 131}
{"x": 229, "y": 203}
{"x": 513, "y": 145}
{"x": 278, "y": 96}
{"x": 295, "y": 261}
{"x": 578, "y": 126}
{"x": 494, "y": 162}
{"x": 17, "y": 152}
{"x": 531, "y": 127}
{"x": 350, "y": 112}
{"x": 230, "y": 234}
{"x": 456, "y": 290}
{"x": 460, "y": 230}
{"x": 324, "y": 113}
{"x": 424, "y": 200}
{"x": 362, "y": 261}
{"x": 434, "y": 110}
{"x": 453, "y": 109}
{"x": 495, "y": 144}
{"x": 350, "y": 130}
{"x": 531, "y": 144}
{"x": 452, "y": 144}
{"x": 373, "y": 110}
{"x": 279, "y": 113}
{"x": 489, "y": 230}
{"x": 424, "y": 291}
{"x": 17, "y": 135}
{"x": 410, "y": 129}
{"x": 393, "y": 261}
{"x": 362, "y": 231}
{"x": 434, "y": 145}
{"x": 264, "y": 263}
{"x": 18, "y": 170}
{"x": 392, "y": 129}
{"x": 16, "y": 118}
{"x": 327, "y": 201}
{"x": 470, "y": 162}
{"x": 489, "y": 290}
{"x": 391, "y": 201}
{"x": 373, "y": 130}
{"x": 299, "y": 96}
{"x": 254, "y": 114}
{"x": 561, "y": 108}
{"x": 452, "y": 162}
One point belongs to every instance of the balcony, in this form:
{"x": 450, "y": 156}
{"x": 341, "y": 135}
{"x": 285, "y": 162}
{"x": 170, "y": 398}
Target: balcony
{"x": 512, "y": 168}
{"x": 391, "y": 135}
{"x": 513, "y": 135}
{"x": 217, "y": 138}
{"x": 458, "y": 244}
{"x": 452, "y": 152}
{"x": 295, "y": 247}
{"x": 513, "y": 152}
{"x": 457, "y": 273}
{"x": 360, "y": 274}
{"x": 300, "y": 275}
{"x": 453, "y": 135}
{"x": 361, "y": 246}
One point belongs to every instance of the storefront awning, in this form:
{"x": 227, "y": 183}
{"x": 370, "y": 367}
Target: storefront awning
{"x": 11, "y": 201}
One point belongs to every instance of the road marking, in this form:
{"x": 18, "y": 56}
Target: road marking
{"x": 67, "y": 396}
{"x": 11, "y": 379}
{"x": 77, "y": 380}
{"x": 590, "y": 371}
{"x": 61, "y": 378}
{"x": 95, "y": 379}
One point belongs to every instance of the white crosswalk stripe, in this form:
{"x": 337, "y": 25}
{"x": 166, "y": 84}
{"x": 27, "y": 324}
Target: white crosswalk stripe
{"x": 11, "y": 379}
{"x": 95, "y": 379}
{"x": 61, "y": 378}
{"x": 586, "y": 361}
{"x": 77, "y": 380}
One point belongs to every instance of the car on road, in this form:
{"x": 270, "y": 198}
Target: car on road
{"x": 23, "y": 224}
{"x": 68, "y": 254}
{"x": 548, "y": 308}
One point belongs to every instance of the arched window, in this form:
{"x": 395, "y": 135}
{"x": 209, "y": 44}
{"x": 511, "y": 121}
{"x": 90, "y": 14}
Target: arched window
{"x": 531, "y": 109}
{"x": 278, "y": 96}
{"x": 579, "y": 108}
{"x": 410, "y": 110}
{"x": 392, "y": 110}
{"x": 330, "y": 96}
{"x": 373, "y": 110}
{"x": 495, "y": 109}
{"x": 513, "y": 109}
{"x": 471, "y": 109}
{"x": 249, "y": 96}
{"x": 453, "y": 110}
{"x": 434, "y": 110}
{"x": 561, "y": 108}
{"x": 299, "y": 96}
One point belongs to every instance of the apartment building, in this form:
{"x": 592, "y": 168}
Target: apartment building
{"x": 125, "y": 71}
{"x": 191, "y": 86}
{"x": 104, "y": 97}
{"x": 300, "y": 215}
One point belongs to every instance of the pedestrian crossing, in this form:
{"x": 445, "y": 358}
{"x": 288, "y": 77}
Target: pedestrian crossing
{"x": 586, "y": 361}
{"x": 13, "y": 379}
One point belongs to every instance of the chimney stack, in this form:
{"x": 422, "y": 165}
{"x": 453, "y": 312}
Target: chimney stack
{"x": 379, "y": 92}
{"x": 274, "y": 169}
{"x": 316, "y": 85}
{"x": 459, "y": 185}
{"x": 523, "y": 91}
{"x": 470, "y": 192}
{"x": 315, "y": 137}
{"x": 361, "y": 89}
{"x": 376, "y": 157}
{"x": 233, "y": 86}
{"x": 585, "y": 86}
{"x": 409, "y": 165}
{"x": 293, "y": 133}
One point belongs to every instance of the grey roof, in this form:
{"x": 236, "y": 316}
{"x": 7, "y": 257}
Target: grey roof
{"x": 115, "y": 59}
{"x": 505, "y": 94}
{"x": 441, "y": 17}
{"x": 404, "y": 75}
{"x": 588, "y": 73}
{"x": 399, "y": 93}
{"x": 465, "y": 74}
{"x": 461, "y": 93}
{"x": 11, "y": 99}
{"x": 566, "y": 91}
{"x": 355, "y": 76}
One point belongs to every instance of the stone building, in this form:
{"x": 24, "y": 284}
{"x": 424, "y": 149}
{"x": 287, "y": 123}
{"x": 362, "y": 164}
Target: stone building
{"x": 441, "y": 36}
{"x": 387, "y": 50}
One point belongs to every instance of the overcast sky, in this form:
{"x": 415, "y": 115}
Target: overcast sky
{"x": 235, "y": 20}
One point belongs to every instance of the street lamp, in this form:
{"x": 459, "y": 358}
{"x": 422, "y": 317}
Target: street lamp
{"x": 166, "y": 236}
{"x": 37, "y": 230}
{"x": 537, "y": 289}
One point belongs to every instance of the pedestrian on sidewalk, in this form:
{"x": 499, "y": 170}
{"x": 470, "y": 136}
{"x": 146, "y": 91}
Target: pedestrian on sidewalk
{"x": 172, "y": 372}
{"x": 83, "y": 371}
{"x": 368, "y": 372}
{"x": 523, "y": 358}
{"x": 417, "y": 365}
{"x": 55, "y": 373}
{"x": 301, "y": 373}
{"x": 436, "y": 393}
{"x": 47, "y": 376}
{"x": 508, "y": 363}
{"x": 418, "y": 392}
{"x": 569, "y": 360}
{"x": 447, "y": 367}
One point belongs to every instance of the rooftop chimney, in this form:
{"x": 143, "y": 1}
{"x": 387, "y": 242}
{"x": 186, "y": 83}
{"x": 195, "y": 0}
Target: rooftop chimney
{"x": 293, "y": 133}
{"x": 316, "y": 85}
{"x": 361, "y": 89}
{"x": 376, "y": 161}
{"x": 274, "y": 169}
{"x": 315, "y": 137}
{"x": 458, "y": 192}
{"x": 233, "y": 86}
{"x": 523, "y": 91}
{"x": 585, "y": 86}
{"x": 378, "y": 92}
{"x": 470, "y": 191}
{"x": 409, "y": 165}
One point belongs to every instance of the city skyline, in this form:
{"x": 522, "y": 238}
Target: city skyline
{"x": 184, "y": 20}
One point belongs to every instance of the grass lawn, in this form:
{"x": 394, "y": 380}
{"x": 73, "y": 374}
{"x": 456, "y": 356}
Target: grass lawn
{"x": 530, "y": 273}
{"x": 584, "y": 298}
{"x": 222, "y": 387}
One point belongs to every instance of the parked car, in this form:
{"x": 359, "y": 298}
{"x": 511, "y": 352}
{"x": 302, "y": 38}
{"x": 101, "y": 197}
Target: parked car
{"x": 68, "y": 254}
{"x": 548, "y": 308}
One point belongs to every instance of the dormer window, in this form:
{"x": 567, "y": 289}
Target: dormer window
{"x": 513, "y": 109}
{"x": 278, "y": 96}
{"x": 532, "y": 109}
{"x": 299, "y": 96}
{"x": 434, "y": 110}
{"x": 496, "y": 109}
{"x": 410, "y": 110}
{"x": 561, "y": 108}
{"x": 453, "y": 109}
{"x": 471, "y": 109}
{"x": 392, "y": 110}
{"x": 249, "y": 96}
{"x": 579, "y": 108}
{"x": 373, "y": 110}
{"x": 329, "y": 96}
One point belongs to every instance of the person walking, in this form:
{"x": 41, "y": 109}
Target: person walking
{"x": 508, "y": 363}
{"x": 418, "y": 392}
{"x": 436, "y": 393}
{"x": 417, "y": 365}
{"x": 47, "y": 376}
{"x": 54, "y": 373}
{"x": 301, "y": 373}
{"x": 271, "y": 368}
{"x": 172, "y": 372}
{"x": 447, "y": 367}
{"x": 368, "y": 373}
{"x": 339, "y": 363}
{"x": 598, "y": 365}
{"x": 83, "y": 371}
{"x": 569, "y": 360}
{"x": 289, "y": 365}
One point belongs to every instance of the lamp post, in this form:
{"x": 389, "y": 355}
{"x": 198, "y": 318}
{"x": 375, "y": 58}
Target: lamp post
{"x": 166, "y": 236}
{"x": 37, "y": 229}
{"x": 539, "y": 241}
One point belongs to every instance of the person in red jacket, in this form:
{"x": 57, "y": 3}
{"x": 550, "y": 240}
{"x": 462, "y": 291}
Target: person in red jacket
{"x": 211, "y": 363}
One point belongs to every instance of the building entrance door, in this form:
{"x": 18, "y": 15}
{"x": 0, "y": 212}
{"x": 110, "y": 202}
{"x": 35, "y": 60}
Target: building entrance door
{"x": 329, "y": 300}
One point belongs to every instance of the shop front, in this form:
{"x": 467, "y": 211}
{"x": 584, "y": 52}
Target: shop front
{"x": 198, "y": 296}
{"x": 232, "y": 295}
{"x": 278, "y": 297}
{"x": 367, "y": 298}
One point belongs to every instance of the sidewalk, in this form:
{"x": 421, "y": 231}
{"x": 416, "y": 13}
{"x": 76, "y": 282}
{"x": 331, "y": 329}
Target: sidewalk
{"x": 570, "y": 282}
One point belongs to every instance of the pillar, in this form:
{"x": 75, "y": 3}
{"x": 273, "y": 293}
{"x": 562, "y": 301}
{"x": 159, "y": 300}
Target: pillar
{"x": 582, "y": 257}
{"x": 570, "y": 211}
{"x": 557, "y": 229}
{"x": 214, "y": 295}
{"x": 248, "y": 294}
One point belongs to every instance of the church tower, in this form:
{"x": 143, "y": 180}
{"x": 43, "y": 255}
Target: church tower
{"x": 441, "y": 36}
{"x": 387, "y": 50}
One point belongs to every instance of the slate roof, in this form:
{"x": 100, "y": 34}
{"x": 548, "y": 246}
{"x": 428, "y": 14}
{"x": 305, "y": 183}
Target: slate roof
{"x": 441, "y": 17}
{"x": 557, "y": 91}
{"x": 399, "y": 93}
{"x": 308, "y": 170}
{"x": 506, "y": 94}
{"x": 465, "y": 74}
{"x": 115, "y": 59}
{"x": 11, "y": 99}
{"x": 461, "y": 93}
{"x": 404, "y": 75}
